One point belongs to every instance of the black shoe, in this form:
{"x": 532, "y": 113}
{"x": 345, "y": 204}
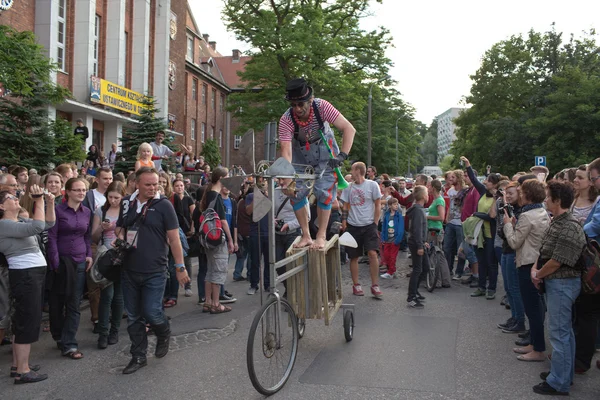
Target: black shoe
{"x": 102, "y": 342}
{"x": 96, "y": 328}
{"x": 14, "y": 374}
{"x": 544, "y": 375}
{"x": 507, "y": 306}
{"x": 524, "y": 335}
{"x": 135, "y": 364}
{"x": 420, "y": 297}
{"x": 113, "y": 338}
{"x": 509, "y": 322}
{"x": 503, "y": 301}
{"x": 474, "y": 284}
{"x": 30, "y": 377}
{"x": 545, "y": 388}
{"x": 162, "y": 346}
{"x": 239, "y": 279}
{"x": 415, "y": 303}
{"x": 523, "y": 342}
{"x": 201, "y": 301}
{"x": 227, "y": 298}
{"x": 517, "y": 327}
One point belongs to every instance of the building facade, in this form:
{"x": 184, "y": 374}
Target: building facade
{"x": 445, "y": 131}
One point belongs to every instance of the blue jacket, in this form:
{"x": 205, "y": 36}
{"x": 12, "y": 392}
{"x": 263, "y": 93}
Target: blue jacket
{"x": 592, "y": 223}
{"x": 398, "y": 226}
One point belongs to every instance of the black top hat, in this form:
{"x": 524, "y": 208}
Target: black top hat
{"x": 298, "y": 90}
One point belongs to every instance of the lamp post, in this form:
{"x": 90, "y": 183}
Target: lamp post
{"x": 369, "y": 134}
{"x": 400, "y": 117}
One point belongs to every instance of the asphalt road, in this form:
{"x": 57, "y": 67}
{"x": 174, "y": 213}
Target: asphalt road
{"x": 449, "y": 350}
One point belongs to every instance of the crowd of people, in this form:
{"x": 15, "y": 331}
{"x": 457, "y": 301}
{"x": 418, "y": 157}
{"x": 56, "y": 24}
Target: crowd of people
{"x": 55, "y": 225}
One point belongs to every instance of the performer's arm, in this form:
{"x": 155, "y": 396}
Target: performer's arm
{"x": 286, "y": 149}
{"x": 348, "y": 132}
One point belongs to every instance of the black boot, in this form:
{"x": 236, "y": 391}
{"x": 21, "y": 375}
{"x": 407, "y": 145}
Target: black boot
{"x": 135, "y": 364}
{"x": 113, "y": 338}
{"x": 102, "y": 342}
{"x": 163, "y": 339}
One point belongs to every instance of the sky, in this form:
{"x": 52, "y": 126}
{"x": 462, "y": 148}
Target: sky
{"x": 439, "y": 44}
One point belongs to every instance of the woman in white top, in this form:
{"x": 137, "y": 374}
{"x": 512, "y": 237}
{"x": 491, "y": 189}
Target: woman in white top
{"x": 27, "y": 272}
{"x": 586, "y": 194}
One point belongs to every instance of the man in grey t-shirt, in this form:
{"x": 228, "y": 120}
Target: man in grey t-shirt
{"x": 362, "y": 208}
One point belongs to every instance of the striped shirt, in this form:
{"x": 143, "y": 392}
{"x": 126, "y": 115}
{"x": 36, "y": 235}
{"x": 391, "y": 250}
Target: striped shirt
{"x": 286, "y": 126}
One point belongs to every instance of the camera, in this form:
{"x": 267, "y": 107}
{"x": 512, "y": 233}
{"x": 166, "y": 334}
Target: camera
{"x": 122, "y": 248}
{"x": 502, "y": 206}
{"x": 279, "y": 225}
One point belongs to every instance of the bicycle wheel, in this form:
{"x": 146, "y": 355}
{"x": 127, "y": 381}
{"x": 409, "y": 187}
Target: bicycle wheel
{"x": 271, "y": 358}
{"x": 431, "y": 277}
{"x": 301, "y": 327}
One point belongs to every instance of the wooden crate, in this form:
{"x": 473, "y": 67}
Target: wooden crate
{"x": 316, "y": 293}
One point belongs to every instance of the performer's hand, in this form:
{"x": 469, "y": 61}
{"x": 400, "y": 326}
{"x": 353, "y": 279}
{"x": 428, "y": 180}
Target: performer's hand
{"x": 337, "y": 161}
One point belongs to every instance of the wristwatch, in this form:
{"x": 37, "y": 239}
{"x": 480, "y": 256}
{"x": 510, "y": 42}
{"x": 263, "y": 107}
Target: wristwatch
{"x": 180, "y": 267}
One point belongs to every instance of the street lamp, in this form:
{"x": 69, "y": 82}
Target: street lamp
{"x": 400, "y": 117}
{"x": 369, "y": 134}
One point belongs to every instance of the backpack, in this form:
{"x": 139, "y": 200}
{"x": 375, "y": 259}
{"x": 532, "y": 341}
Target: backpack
{"x": 589, "y": 263}
{"x": 211, "y": 230}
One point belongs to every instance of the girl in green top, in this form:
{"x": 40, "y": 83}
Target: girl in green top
{"x": 437, "y": 209}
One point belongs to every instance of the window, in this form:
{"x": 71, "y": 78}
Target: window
{"x": 214, "y": 99}
{"x": 236, "y": 142}
{"x": 190, "y": 49}
{"x": 194, "y": 89}
{"x": 221, "y": 138}
{"x": 62, "y": 34}
{"x": 96, "y": 44}
{"x": 202, "y": 132}
{"x": 193, "y": 130}
{"x": 203, "y": 94}
{"x": 222, "y": 103}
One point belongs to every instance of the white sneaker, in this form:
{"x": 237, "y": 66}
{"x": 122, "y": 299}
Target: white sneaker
{"x": 188, "y": 293}
{"x": 252, "y": 291}
{"x": 386, "y": 276}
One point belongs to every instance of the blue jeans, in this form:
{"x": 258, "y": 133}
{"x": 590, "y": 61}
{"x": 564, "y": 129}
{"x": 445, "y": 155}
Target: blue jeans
{"x": 143, "y": 294}
{"x": 561, "y": 295}
{"x": 255, "y": 264}
{"x": 488, "y": 265}
{"x": 453, "y": 237}
{"x": 111, "y": 304}
{"x": 498, "y": 253}
{"x": 245, "y": 257}
{"x": 513, "y": 293}
{"x": 172, "y": 286}
{"x": 534, "y": 308}
{"x": 72, "y": 313}
{"x": 202, "y": 268}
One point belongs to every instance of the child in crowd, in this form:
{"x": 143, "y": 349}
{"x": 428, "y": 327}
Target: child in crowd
{"x": 90, "y": 170}
{"x": 144, "y": 156}
{"x": 417, "y": 243}
{"x": 392, "y": 232}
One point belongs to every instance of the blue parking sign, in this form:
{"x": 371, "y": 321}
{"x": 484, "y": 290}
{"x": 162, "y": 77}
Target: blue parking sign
{"x": 540, "y": 161}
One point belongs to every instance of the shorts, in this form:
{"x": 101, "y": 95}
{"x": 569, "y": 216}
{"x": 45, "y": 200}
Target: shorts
{"x": 325, "y": 190}
{"x": 218, "y": 262}
{"x": 27, "y": 288}
{"x": 468, "y": 251}
{"x": 366, "y": 237}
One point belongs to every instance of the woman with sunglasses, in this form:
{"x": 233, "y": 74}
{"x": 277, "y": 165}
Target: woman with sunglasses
{"x": 27, "y": 272}
{"x": 70, "y": 256}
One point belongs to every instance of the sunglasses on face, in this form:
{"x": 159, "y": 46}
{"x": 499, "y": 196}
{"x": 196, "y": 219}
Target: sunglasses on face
{"x": 299, "y": 104}
{"x": 10, "y": 197}
{"x": 594, "y": 178}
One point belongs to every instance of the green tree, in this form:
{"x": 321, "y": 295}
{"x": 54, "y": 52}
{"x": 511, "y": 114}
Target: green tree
{"x": 211, "y": 153}
{"x": 143, "y": 130}
{"x": 428, "y": 150}
{"x": 68, "y": 147}
{"x": 29, "y": 91}
{"x": 323, "y": 42}
{"x": 447, "y": 163}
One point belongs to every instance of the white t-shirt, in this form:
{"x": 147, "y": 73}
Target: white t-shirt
{"x": 362, "y": 202}
{"x": 99, "y": 199}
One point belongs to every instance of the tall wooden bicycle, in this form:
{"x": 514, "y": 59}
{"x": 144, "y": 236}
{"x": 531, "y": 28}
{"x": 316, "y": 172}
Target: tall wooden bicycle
{"x": 314, "y": 291}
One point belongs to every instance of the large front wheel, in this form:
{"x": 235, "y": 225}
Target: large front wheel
{"x": 272, "y": 346}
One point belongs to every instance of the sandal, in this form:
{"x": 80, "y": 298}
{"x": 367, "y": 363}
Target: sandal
{"x": 206, "y": 308}
{"x": 170, "y": 303}
{"x": 74, "y": 355}
{"x": 220, "y": 309}
{"x": 30, "y": 377}
{"x": 14, "y": 374}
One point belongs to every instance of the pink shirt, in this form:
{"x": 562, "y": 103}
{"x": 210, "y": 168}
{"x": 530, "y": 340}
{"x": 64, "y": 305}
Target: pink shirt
{"x": 469, "y": 204}
{"x": 286, "y": 126}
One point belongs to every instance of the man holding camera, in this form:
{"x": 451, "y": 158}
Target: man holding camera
{"x": 300, "y": 130}
{"x": 148, "y": 224}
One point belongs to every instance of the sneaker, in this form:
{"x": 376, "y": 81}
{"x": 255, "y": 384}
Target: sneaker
{"x": 517, "y": 327}
{"x": 509, "y": 322}
{"x": 415, "y": 303}
{"x": 226, "y": 298}
{"x": 201, "y": 301}
{"x": 467, "y": 279}
{"x": 357, "y": 290}
{"x": 490, "y": 295}
{"x": 252, "y": 291}
{"x": 188, "y": 293}
{"x": 478, "y": 293}
{"x": 467, "y": 271}
{"x": 503, "y": 301}
{"x": 457, "y": 277}
{"x": 474, "y": 284}
{"x": 386, "y": 276}
{"x": 524, "y": 335}
{"x": 239, "y": 279}
{"x": 420, "y": 297}
{"x": 545, "y": 388}
{"x": 376, "y": 292}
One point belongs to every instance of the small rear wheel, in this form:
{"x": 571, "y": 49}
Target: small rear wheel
{"x": 301, "y": 327}
{"x": 349, "y": 325}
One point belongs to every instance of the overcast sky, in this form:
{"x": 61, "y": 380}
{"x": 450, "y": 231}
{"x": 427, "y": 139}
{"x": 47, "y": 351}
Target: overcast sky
{"x": 438, "y": 44}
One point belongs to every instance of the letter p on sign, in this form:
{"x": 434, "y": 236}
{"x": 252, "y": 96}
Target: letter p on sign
{"x": 540, "y": 161}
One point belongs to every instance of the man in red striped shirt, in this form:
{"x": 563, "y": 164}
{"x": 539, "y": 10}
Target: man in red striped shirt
{"x": 301, "y": 143}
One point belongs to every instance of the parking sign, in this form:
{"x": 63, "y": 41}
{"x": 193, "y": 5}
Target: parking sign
{"x": 540, "y": 161}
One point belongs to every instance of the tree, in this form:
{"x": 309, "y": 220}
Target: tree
{"x": 68, "y": 147}
{"x": 142, "y": 131}
{"x": 321, "y": 41}
{"x": 29, "y": 91}
{"x": 447, "y": 163}
{"x": 428, "y": 150}
{"x": 211, "y": 153}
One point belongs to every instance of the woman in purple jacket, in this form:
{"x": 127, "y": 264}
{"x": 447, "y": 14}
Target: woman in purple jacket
{"x": 69, "y": 257}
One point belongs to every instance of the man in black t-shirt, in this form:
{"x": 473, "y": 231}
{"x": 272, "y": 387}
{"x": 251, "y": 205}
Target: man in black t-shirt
{"x": 149, "y": 223}
{"x": 81, "y": 130}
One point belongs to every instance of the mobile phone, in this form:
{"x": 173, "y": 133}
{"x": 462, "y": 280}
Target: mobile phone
{"x": 106, "y": 220}
{"x": 462, "y": 164}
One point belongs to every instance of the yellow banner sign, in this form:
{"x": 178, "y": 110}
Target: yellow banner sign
{"x": 115, "y": 96}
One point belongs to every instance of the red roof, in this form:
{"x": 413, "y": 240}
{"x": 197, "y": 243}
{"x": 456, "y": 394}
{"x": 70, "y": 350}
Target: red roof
{"x": 229, "y": 69}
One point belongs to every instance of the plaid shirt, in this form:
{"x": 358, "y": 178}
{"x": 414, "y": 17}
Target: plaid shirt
{"x": 563, "y": 242}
